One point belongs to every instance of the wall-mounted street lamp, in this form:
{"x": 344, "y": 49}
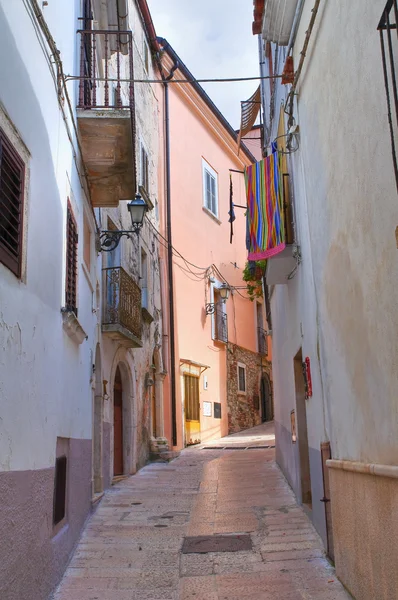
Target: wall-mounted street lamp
{"x": 224, "y": 290}
{"x": 109, "y": 239}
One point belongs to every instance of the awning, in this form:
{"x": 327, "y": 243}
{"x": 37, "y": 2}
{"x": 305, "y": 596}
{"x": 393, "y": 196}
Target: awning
{"x": 249, "y": 111}
{"x": 278, "y": 20}
{"x": 192, "y": 363}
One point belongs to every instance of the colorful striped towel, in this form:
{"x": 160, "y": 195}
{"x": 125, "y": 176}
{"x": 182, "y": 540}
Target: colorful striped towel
{"x": 264, "y": 190}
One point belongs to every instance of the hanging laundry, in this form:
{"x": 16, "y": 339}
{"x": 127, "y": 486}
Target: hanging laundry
{"x": 265, "y": 225}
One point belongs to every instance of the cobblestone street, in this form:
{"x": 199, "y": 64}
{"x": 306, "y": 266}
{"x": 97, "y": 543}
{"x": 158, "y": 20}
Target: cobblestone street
{"x": 131, "y": 548}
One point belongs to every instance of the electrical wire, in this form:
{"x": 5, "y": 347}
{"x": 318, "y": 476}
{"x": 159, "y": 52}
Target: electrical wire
{"x": 193, "y": 80}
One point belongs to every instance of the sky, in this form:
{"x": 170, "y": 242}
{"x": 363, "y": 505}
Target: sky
{"x": 214, "y": 39}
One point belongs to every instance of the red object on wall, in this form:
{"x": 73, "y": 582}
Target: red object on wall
{"x": 288, "y": 71}
{"x": 309, "y": 379}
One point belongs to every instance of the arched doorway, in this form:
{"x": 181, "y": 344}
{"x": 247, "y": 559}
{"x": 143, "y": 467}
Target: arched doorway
{"x": 118, "y": 467}
{"x": 97, "y": 425}
{"x": 267, "y": 412}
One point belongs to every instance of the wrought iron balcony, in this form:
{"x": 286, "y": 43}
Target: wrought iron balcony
{"x": 262, "y": 341}
{"x": 220, "y": 325}
{"x": 106, "y": 114}
{"x": 122, "y": 318}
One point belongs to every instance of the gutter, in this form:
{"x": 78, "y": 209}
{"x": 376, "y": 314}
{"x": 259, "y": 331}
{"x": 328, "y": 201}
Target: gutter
{"x": 146, "y": 15}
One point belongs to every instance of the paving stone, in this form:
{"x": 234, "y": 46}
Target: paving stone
{"x": 124, "y": 554}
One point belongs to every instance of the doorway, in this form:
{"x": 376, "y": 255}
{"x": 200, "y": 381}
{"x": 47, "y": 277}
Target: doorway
{"x": 302, "y": 433}
{"x": 192, "y": 409}
{"x": 267, "y": 411}
{"x": 118, "y": 424}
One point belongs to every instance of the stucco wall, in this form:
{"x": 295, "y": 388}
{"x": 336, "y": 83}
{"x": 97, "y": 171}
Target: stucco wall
{"x": 45, "y": 376}
{"x": 204, "y": 241}
{"x": 339, "y": 308}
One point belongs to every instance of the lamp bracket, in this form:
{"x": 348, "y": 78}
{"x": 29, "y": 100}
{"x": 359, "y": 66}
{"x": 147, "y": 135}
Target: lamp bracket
{"x": 108, "y": 240}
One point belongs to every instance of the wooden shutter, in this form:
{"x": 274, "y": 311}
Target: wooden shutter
{"x": 71, "y": 263}
{"x": 12, "y": 177}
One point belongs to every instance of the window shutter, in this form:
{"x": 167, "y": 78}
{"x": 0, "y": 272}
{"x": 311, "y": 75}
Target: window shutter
{"x": 12, "y": 174}
{"x": 71, "y": 263}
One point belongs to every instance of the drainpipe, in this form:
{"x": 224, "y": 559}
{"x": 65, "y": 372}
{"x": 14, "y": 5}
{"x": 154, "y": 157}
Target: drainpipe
{"x": 296, "y": 21}
{"x": 165, "y": 81}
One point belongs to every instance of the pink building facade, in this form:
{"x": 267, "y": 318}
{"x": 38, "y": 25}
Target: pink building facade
{"x": 222, "y": 367}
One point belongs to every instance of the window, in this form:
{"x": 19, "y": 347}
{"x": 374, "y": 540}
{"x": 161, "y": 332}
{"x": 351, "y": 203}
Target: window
{"x": 144, "y": 172}
{"x": 210, "y": 189}
{"x": 59, "y": 489}
{"x": 146, "y": 56}
{"x": 87, "y": 243}
{"x": 71, "y": 262}
{"x": 144, "y": 279}
{"x": 12, "y": 175}
{"x": 241, "y": 378}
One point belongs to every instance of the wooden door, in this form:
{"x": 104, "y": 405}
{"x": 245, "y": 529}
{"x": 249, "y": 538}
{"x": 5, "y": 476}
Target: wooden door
{"x": 192, "y": 409}
{"x": 326, "y": 454}
{"x": 118, "y": 425}
{"x": 266, "y": 400}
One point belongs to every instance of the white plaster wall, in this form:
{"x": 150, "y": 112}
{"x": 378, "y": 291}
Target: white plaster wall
{"x": 352, "y": 214}
{"x": 45, "y": 388}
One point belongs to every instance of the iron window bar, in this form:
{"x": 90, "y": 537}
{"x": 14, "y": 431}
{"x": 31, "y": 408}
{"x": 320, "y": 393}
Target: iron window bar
{"x": 385, "y": 28}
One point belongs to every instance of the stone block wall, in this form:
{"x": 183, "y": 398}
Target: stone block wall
{"x": 244, "y": 410}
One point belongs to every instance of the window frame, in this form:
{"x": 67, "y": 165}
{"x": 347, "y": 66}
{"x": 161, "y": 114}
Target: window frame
{"x": 206, "y": 168}
{"x": 144, "y": 170}
{"x": 240, "y": 365}
{"x": 14, "y": 263}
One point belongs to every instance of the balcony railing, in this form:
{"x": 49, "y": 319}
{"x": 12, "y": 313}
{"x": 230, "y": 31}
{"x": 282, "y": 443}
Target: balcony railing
{"x": 220, "y": 325}
{"x": 106, "y": 69}
{"x": 122, "y": 304}
{"x": 262, "y": 341}
{"x": 106, "y": 115}
{"x": 388, "y": 28}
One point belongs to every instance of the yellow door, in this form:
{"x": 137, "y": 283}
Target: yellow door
{"x": 192, "y": 410}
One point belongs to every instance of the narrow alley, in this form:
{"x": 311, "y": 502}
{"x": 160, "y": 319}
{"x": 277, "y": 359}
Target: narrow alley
{"x": 135, "y": 546}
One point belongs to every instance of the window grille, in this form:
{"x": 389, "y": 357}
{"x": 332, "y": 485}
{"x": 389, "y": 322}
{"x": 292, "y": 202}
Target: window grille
{"x": 388, "y": 28}
{"x": 220, "y": 324}
{"x": 71, "y": 263}
{"x": 12, "y": 173}
{"x": 59, "y": 489}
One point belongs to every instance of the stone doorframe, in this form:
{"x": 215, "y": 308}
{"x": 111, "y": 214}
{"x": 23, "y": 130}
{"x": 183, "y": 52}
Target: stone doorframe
{"x": 159, "y": 376}
{"x": 122, "y": 361}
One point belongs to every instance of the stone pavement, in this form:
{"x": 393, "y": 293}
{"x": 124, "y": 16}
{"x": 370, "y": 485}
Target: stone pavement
{"x": 131, "y": 548}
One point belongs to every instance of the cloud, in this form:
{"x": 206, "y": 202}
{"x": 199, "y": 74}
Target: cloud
{"x": 214, "y": 39}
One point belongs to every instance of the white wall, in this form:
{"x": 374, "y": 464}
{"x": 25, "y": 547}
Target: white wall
{"x": 340, "y": 306}
{"x": 45, "y": 388}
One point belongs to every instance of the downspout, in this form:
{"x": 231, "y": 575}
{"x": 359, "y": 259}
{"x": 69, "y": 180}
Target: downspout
{"x": 165, "y": 81}
{"x": 296, "y": 21}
